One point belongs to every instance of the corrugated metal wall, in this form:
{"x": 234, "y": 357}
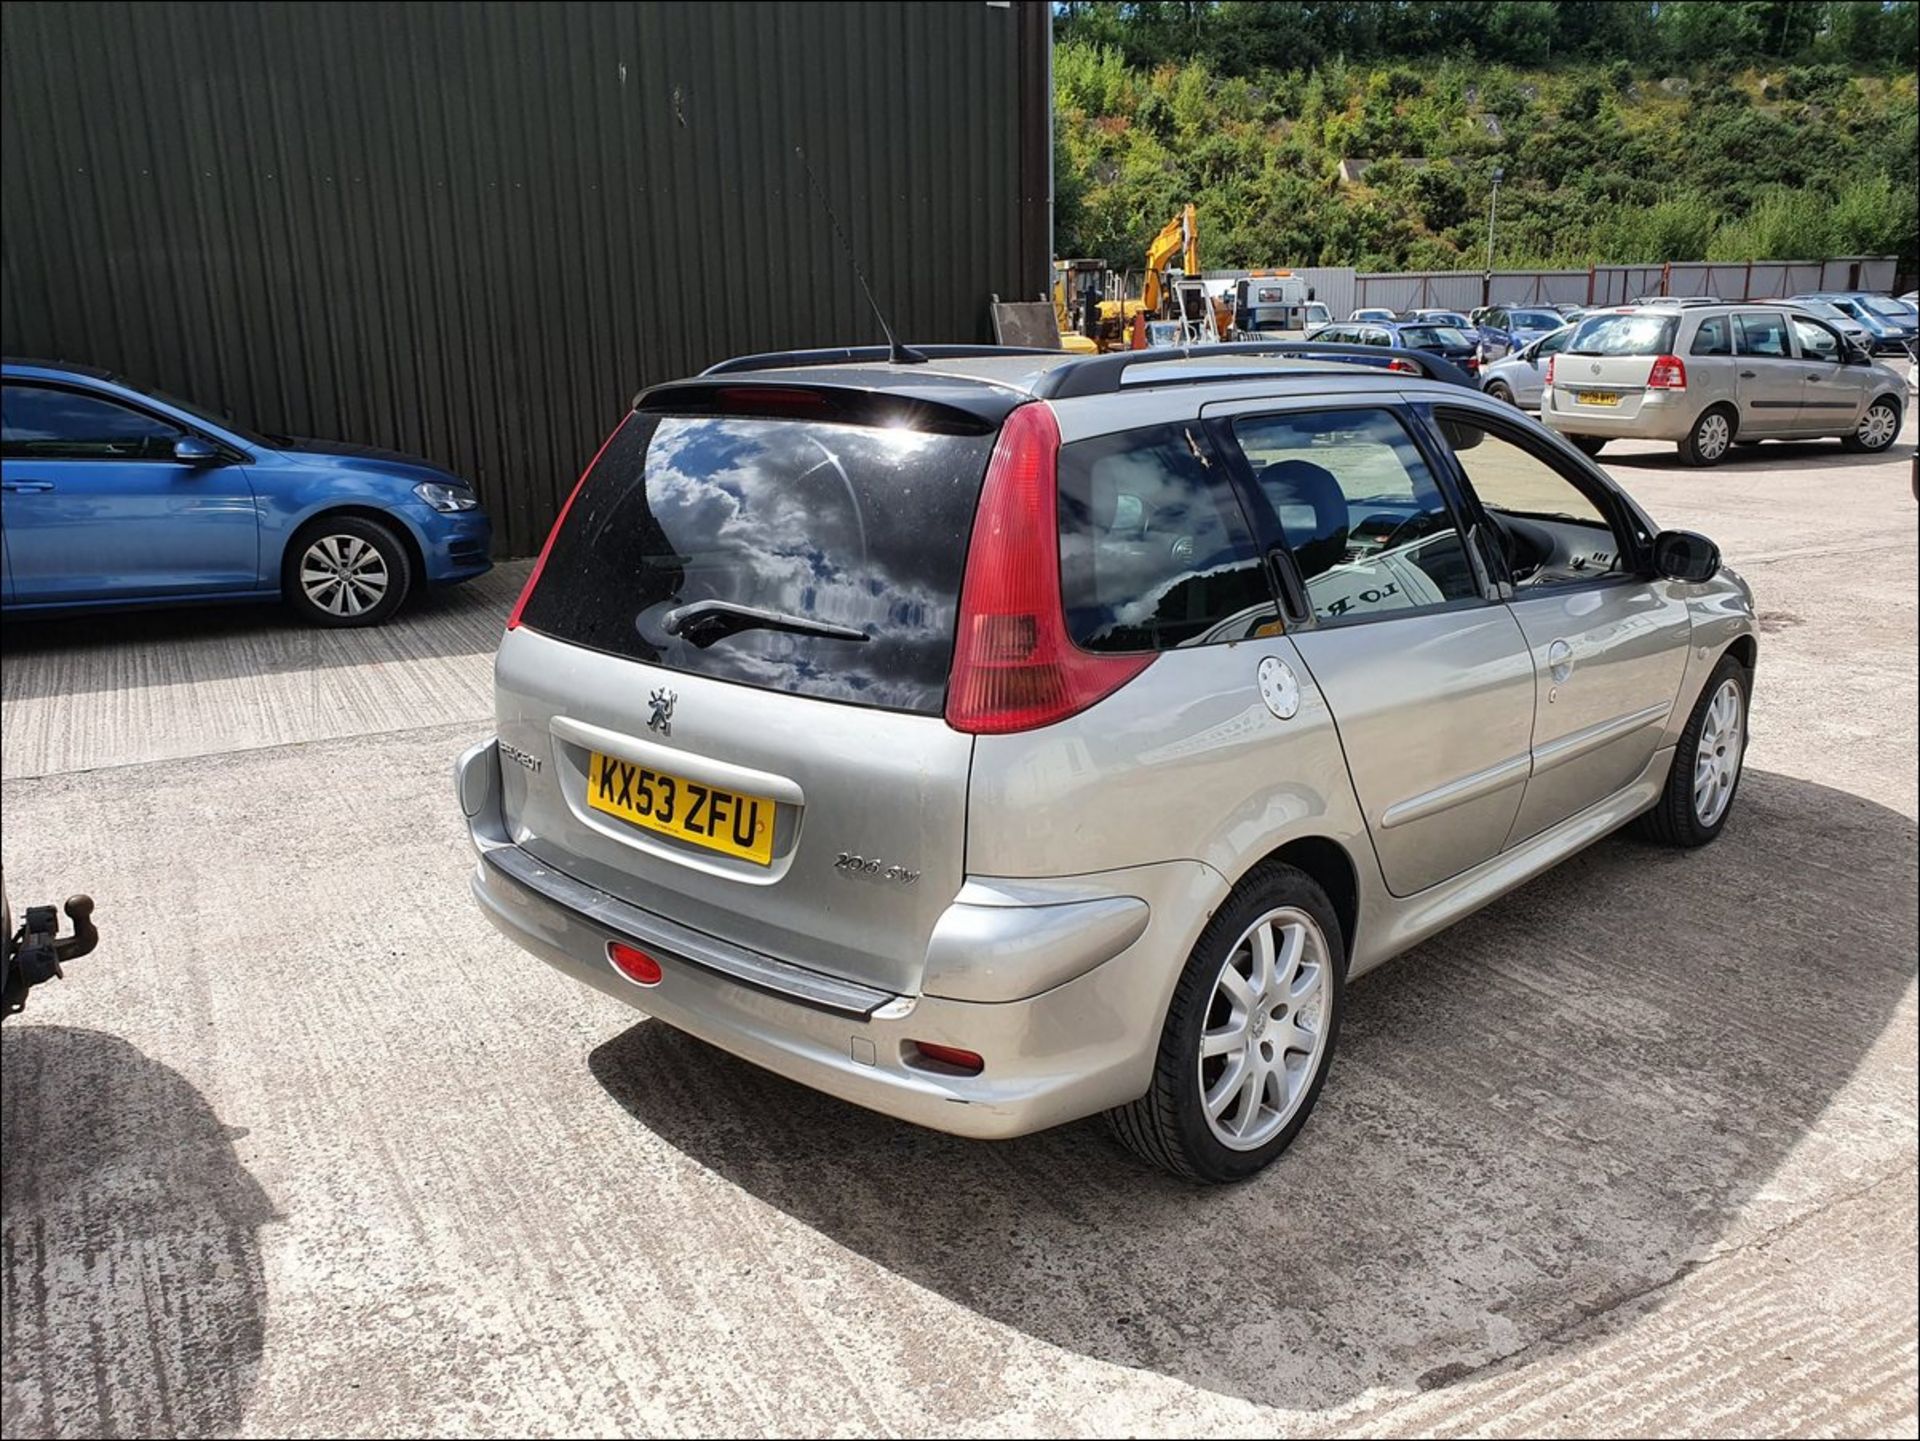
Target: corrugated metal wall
{"x": 472, "y": 231}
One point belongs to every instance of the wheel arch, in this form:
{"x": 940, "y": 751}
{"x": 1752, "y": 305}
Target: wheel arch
{"x": 1327, "y": 863}
{"x": 416, "y": 555}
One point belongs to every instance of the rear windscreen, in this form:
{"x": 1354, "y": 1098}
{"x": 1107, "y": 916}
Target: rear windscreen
{"x": 803, "y": 556}
{"x": 1624, "y": 335}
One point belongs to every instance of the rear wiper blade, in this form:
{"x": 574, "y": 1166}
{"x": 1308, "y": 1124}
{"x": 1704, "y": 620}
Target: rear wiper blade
{"x": 706, "y": 621}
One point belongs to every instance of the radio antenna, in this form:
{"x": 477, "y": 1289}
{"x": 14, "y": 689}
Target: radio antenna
{"x": 896, "y": 352}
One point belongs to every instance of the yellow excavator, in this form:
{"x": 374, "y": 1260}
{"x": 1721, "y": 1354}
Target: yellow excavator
{"x": 1092, "y": 317}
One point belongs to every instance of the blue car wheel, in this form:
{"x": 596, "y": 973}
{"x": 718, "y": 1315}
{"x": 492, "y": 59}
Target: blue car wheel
{"x": 346, "y": 570}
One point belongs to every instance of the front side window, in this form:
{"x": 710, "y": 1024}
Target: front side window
{"x": 48, "y": 422}
{"x": 1816, "y": 341}
{"x": 1763, "y": 334}
{"x": 1360, "y": 511}
{"x": 1550, "y": 531}
{"x": 1154, "y": 551}
{"x": 1715, "y": 337}
{"x": 1555, "y": 343}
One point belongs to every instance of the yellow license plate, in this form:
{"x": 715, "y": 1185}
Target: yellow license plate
{"x": 701, "y": 815}
{"x": 1597, "y": 397}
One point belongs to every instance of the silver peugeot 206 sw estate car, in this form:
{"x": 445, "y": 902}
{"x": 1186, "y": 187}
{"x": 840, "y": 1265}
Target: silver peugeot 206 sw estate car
{"x": 1001, "y": 738}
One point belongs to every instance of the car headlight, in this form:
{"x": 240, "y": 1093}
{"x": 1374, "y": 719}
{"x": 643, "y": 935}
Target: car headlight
{"x": 446, "y": 498}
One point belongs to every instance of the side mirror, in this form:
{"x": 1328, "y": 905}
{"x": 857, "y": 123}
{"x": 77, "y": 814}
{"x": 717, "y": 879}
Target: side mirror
{"x": 192, "y": 450}
{"x": 1685, "y": 555}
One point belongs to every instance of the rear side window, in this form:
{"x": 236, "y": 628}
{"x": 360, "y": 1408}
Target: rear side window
{"x": 1369, "y": 530}
{"x": 1624, "y": 335}
{"x": 1715, "y": 337}
{"x": 816, "y": 558}
{"x": 1154, "y": 551}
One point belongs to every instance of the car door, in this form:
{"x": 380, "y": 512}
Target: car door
{"x": 1608, "y": 641}
{"x": 1427, "y": 676}
{"x": 1835, "y": 394}
{"x": 1530, "y": 384}
{"x": 97, "y": 507}
{"x": 1768, "y": 380}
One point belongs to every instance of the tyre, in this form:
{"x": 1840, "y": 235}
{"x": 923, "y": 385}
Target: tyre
{"x": 1698, "y": 798}
{"x": 346, "y": 570}
{"x": 1588, "y": 444}
{"x": 1501, "y": 391}
{"x": 1710, "y": 439}
{"x": 1249, "y": 1034}
{"x": 1877, "y": 428}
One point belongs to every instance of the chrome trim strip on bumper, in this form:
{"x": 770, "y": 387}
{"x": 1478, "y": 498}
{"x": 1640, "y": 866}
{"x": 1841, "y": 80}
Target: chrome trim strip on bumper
{"x": 782, "y": 978}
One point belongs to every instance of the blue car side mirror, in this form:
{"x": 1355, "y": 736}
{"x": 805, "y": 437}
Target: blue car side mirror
{"x": 192, "y": 450}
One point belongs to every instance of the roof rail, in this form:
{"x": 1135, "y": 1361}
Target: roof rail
{"x": 861, "y": 354}
{"x": 1105, "y": 374}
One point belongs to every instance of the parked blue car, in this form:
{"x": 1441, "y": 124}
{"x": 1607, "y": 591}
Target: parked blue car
{"x": 115, "y": 496}
{"x": 1503, "y": 329}
{"x": 1889, "y": 325}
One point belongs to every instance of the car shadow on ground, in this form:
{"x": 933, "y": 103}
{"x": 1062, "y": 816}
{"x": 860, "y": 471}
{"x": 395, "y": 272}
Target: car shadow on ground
{"x": 1788, "y": 456}
{"x": 55, "y": 655}
{"x": 135, "y": 1302}
{"x": 1553, "y": 1108}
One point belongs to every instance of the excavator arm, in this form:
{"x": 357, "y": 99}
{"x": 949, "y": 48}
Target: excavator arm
{"x": 1179, "y": 236}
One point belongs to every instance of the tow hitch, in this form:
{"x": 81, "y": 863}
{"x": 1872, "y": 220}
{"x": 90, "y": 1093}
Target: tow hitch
{"x": 35, "y": 951}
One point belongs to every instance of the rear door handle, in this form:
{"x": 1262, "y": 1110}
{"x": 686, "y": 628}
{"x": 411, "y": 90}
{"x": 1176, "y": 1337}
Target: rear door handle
{"x": 26, "y": 487}
{"x": 1748, "y": 374}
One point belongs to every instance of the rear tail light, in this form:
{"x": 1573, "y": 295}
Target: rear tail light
{"x": 633, "y": 963}
{"x": 533, "y": 577}
{"x": 967, "y": 1061}
{"x": 1550, "y": 361}
{"x": 1404, "y": 367}
{"x": 1014, "y": 666}
{"x": 1668, "y": 373}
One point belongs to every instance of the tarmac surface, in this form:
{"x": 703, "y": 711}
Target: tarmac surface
{"x": 305, "y": 1147}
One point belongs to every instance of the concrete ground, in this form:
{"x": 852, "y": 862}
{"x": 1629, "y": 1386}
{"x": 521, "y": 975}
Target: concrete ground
{"x": 306, "y": 1148}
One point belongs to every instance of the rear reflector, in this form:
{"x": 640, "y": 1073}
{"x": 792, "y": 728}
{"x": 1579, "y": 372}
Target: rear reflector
{"x": 1015, "y": 668}
{"x": 633, "y": 963}
{"x": 960, "y": 1060}
{"x": 533, "y": 577}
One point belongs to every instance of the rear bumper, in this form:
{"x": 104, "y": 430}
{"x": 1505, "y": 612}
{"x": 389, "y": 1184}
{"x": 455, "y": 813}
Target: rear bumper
{"x": 1080, "y": 1046}
{"x": 1661, "y": 415}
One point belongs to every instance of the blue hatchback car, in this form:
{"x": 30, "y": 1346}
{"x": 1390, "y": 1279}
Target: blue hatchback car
{"x": 112, "y": 496}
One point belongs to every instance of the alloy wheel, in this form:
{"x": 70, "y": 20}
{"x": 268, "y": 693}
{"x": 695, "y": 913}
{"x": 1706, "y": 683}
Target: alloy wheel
{"x": 1716, "y": 761}
{"x": 344, "y": 575}
{"x": 1265, "y": 1035}
{"x": 1713, "y": 436}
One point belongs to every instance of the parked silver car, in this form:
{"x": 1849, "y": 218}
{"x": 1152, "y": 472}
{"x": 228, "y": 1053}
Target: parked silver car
{"x": 1712, "y": 375}
{"x": 1003, "y": 738}
{"x": 1521, "y": 378}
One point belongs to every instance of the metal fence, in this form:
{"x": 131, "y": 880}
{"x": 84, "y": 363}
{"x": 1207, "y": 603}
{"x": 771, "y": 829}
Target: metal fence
{"x": 1615, "y": 284}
